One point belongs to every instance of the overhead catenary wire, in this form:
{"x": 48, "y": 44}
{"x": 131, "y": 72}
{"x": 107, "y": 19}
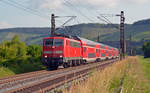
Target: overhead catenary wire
{"x": 27, "y": 9}
{"x": 18, "y": 6}
{"x": 70, "y": 5}
{"x": 31, "y": 9}
{"x": 104, "y": 19}
{"x": 37, "y": 13}
{"x": 63, "y": 25}
{"x": 72, "y": 9}
{"x": 89, "y": 10}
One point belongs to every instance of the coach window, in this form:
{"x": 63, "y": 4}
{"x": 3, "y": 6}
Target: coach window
{"x": 109, "y": 48}
{"x": 102, "y": 46}
{"x": 84, "y": 49}
{"x": 96, "y": 50}
{"x": 103, "y": 55}
{"x": 77, "y": 44}
{"x": 71, "y": 43}
{"x": 91, "y": 55}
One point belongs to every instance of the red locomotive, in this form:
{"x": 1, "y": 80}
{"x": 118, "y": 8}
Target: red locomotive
{"x": 72, "y": 50}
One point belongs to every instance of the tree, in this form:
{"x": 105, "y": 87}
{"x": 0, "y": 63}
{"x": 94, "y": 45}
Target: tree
{"x": 12, "y": 49}
{"x": 146, "y": 49}
{"x": 34, "y": 50}
{"x": 21, "y": 49}
{"x": 15, "y": 39}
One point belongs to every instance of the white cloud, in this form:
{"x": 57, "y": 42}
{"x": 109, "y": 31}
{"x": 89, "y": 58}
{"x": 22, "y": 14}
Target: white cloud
{"x": 103, "y": 3}
{"x": 56, "y": 4}
{"x": 59, "y": 4}
{"x": 97, "y": 3}
{"x": 51, "y": 4}
{"x": 136, "y": 1}
{"x": 46, "y": 4}
{"x": 5, "y": 25}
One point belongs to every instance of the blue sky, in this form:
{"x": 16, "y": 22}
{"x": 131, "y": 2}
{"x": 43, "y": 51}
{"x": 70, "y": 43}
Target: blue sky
{"x": 11, "y": 16}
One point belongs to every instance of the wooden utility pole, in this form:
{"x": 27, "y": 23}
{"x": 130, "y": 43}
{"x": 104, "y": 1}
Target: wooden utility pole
{"x": 53, "y": 24}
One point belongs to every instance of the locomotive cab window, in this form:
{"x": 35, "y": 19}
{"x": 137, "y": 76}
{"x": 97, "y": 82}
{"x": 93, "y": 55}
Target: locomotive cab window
{"x": 54, "y": 42}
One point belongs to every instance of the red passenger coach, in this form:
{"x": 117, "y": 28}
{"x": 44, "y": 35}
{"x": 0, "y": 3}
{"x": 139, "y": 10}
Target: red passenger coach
{"x": 72, "y": 50}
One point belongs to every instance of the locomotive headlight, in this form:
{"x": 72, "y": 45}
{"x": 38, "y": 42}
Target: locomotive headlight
{"x": 45, "y": 56}
{"x": 60, "y": 56}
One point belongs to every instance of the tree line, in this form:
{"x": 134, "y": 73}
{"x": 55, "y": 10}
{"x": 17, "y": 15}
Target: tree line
{"x": 18, "y": 49}
{"x": 19, "y": 57}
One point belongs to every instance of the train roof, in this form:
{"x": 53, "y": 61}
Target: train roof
{"x": 94, "y": 43}
{"x": 88, "y": 42}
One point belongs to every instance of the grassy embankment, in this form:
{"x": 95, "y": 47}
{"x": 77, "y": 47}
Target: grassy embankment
{"x": 134, "y": 73}
{"x": 20, "y": 65}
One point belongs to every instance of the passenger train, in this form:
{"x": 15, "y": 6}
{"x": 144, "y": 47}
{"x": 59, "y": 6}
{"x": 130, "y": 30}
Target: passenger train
{"x": 66, "y": 51}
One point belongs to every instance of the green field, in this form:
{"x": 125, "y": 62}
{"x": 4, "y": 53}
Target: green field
{"x": 5, "y": 72}
{"x": 145, "y": 62}
{"x": 18, "y": 66}
{"x": 136, "y": 78}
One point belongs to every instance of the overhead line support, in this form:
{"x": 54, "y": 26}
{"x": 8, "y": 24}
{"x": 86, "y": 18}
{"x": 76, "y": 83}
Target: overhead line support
{"x": 53, "y": 29}
{"x": 122, "y": 36}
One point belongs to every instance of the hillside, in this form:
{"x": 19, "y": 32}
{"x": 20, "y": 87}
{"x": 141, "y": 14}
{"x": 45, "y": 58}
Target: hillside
{"x": 140, "y": 31}
{"x": 35, "y": 35}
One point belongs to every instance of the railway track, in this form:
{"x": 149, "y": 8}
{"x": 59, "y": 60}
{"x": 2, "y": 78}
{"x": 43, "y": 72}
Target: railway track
{"x": 44, "y": 81}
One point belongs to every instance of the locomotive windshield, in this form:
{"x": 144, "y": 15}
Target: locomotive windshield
{"x": 54, "y": 42}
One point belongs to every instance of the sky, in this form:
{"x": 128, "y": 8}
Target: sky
{"x": 36, "y": 13}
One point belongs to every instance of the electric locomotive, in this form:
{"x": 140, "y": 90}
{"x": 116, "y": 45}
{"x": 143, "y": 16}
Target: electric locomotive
{"x": 61, "y": 50}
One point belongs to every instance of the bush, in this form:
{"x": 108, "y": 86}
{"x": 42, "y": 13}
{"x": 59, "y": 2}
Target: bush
{"x": 34, "y": 50}
{"x": 18, "y": 57}
{"x": 146, "y": 50}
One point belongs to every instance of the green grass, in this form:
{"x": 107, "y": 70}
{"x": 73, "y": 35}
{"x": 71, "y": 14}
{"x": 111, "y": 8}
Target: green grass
{"x": 136, "y": 78}
{"x": 5, "y": 72}
{"x": 20, "y": 65}
{"x": 114, "y": 85}
{"x": 145, "y": 62}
